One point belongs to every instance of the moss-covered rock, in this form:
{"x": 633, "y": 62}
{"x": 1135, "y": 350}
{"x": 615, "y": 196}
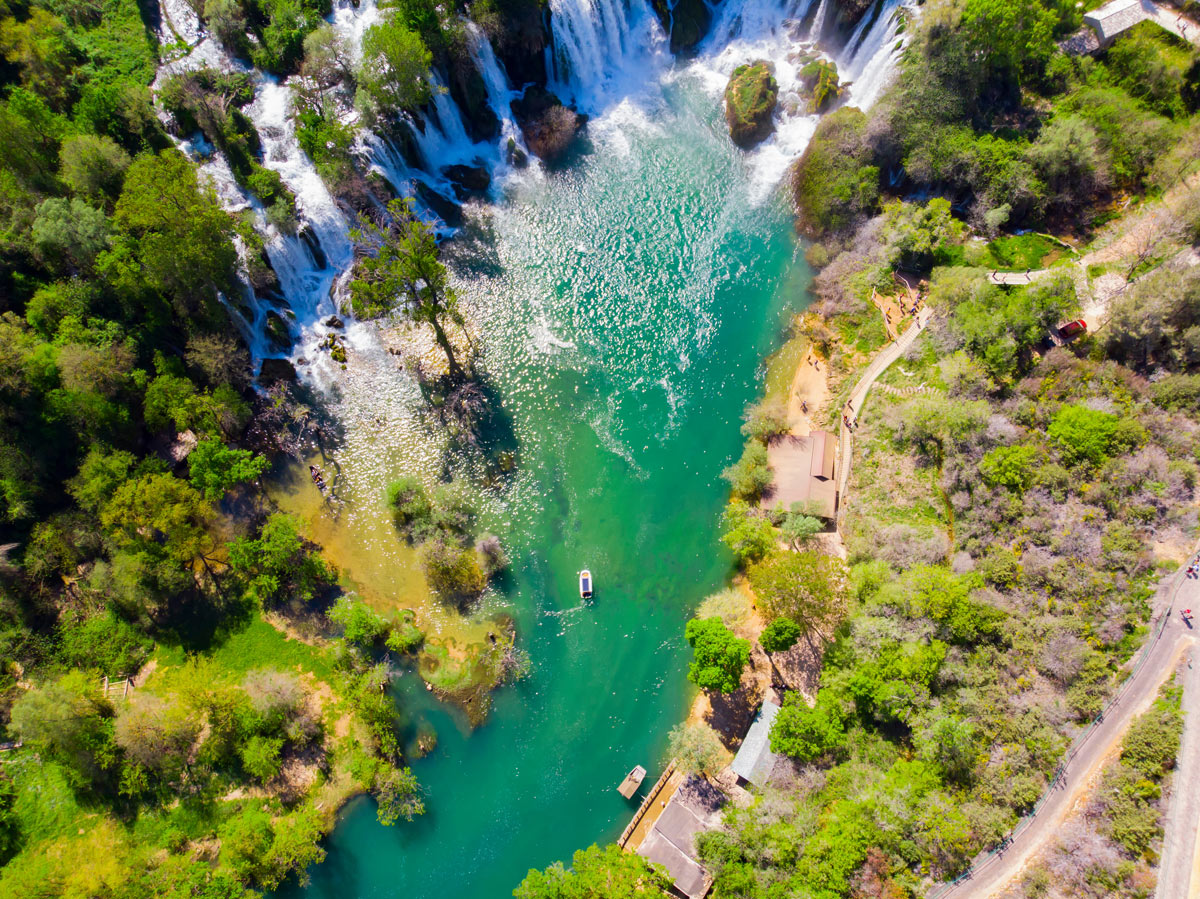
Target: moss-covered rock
{"x": 685, "y": 21}
{"x": 820, "y": 79}
{"x": 750, "y": 101}
{"x": 549, "y": 127}
{"x": 834, "y": 184}
{"x": 277, "y": 330}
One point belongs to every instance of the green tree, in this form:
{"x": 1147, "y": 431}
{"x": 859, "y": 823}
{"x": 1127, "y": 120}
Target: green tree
{"x": 180, "y": 237}
{"x": 798, "y": 528}
{"x": 216, "y": 468}
{"x": 719, "y": 656}
{"x": 69, "y": 234}
{"x": 1012, "y": 37}
{"x": 69, "y": 721}
{"x": 747, "y": 534}
{"x": 597, "y": 873}
{"x": 949, "y": 743}
{"x": 360, "y": 624}
{"x": 261, "y": 756}
{"x": 160, "y": 511}
{"x": 398, "y": 794}
{"x": 394, "y": 73}
{"x": 780, "y": 635}
{"x": 807, "y": 733}
{"x": 696, "y": 749}
{"x": 751, "y": 475}
{"x": 917, "y": 233}
{"x": 411, "y": 509}
{"x": 810, "y": 588}
{"x": 278, "y": 565}
{"x": 400, "y": 269}
{"x": 1082, "y": 435}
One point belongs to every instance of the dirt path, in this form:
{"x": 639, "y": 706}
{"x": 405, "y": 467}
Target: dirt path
{"x": 993, "y": 872}
{"x": 808, "y": 394}
{"x": 877, "y": 367}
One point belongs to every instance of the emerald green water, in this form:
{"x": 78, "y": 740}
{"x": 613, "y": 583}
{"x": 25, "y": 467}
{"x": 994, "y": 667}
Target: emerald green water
{"x": 628, "y": 307}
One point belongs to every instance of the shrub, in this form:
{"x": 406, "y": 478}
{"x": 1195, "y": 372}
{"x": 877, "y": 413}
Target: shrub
{"x": 732, "y": 606}
{"x": 361, "y": 625}
{"x": 780, "y": 635}
{"x": 1082, "y": 435}
{"x": 453, "y": 572}
{"x": 695, "y": 748}
{"x": 411, "y": 509}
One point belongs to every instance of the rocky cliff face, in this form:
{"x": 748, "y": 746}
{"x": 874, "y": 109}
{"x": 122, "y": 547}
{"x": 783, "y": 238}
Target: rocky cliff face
{"x": 685, "y": 21}
{"x": 750, "y": 102}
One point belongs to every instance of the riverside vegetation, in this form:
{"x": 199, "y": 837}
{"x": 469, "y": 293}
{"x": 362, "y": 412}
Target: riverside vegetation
{"x": 188, "y": 694}
{"x": 1013, "y": 503}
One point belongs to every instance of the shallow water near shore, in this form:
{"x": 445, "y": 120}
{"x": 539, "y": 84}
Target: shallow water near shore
{"x": 626, "y": 303}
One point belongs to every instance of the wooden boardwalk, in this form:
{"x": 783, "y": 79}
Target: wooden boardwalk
{"x": 644, "y": 809}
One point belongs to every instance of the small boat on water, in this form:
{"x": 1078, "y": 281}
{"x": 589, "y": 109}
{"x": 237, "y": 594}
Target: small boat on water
{"x": 585, "y": 584}
{"x": 632, "y": 781}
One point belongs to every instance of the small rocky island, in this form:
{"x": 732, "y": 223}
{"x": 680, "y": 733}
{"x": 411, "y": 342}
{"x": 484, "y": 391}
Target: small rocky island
{"x": 750, "y": 103}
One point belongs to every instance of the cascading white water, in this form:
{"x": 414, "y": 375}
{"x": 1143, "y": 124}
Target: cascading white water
{"x": 817, "y": 30}
{"x": 602, "y": 51}
{"x": 499, "y": 90}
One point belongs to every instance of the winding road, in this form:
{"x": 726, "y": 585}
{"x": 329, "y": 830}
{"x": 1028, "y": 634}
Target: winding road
{"x": 1171, "y": 637}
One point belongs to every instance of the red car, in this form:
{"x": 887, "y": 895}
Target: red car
{"x": 1071, "y": 329}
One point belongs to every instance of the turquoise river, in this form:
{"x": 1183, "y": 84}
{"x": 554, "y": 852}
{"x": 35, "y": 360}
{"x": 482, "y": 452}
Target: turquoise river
{"x": 627, "y": 307}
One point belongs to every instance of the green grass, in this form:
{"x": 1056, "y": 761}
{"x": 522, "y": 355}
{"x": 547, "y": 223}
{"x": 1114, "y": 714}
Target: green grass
{"x": 1018, "y": 252}
{"x": 258, "y": 645}
{"x": 46, "y": 806}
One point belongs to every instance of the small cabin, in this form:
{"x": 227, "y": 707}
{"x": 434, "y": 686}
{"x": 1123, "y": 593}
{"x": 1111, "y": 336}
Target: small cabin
{"x": 755, "y": 761}
{"x": 805, "y": 471}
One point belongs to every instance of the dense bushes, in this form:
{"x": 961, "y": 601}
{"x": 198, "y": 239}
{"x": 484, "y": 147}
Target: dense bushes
{"x": 962, "y": 122}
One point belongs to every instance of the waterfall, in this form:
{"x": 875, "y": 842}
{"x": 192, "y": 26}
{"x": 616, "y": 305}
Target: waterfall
{"x": 305, "y": 275}
{"x": 499, "y": 89}
{"x": 602, "y": 51}
{"x": 818, "y": 25}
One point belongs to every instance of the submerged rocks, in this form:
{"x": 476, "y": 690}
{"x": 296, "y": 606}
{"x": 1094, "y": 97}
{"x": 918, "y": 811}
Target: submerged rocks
{"x": 276, "y": 370}
{"x": 686, "y": 21}
{"x": 447, "y": 210}
{"x": 468, "y": 180}
{"x": 549, "y": 127}
{"x": 750, "y": 100}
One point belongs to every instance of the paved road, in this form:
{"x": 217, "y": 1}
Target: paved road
{"x": 1179, "y": 871}
{"x": 1163, "y": 654}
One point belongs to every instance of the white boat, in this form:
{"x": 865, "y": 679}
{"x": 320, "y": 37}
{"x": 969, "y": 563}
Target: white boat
{"x": 585, "y": 584}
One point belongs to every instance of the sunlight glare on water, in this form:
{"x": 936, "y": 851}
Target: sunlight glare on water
{"x": 625, "y": 302}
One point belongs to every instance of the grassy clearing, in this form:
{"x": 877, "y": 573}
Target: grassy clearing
{"x": 1018, "y": 252}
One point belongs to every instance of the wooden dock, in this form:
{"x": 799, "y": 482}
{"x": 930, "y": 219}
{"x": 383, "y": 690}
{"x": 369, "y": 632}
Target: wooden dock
{"x": 646, "y": 805}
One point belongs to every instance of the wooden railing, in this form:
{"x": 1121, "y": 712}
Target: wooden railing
{"x": 645, "y": 806}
